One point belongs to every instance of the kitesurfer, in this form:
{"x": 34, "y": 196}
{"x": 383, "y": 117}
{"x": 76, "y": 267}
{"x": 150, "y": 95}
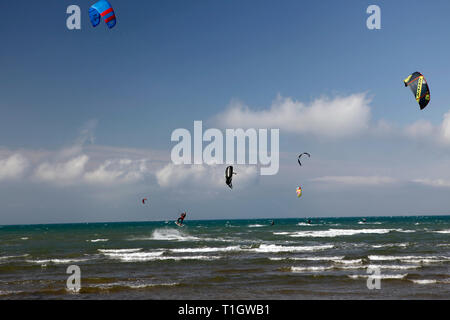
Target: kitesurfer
{"x": 181, "y": 218}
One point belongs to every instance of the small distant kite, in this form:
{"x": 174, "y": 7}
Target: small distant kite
{"x": 229, "y": 176}
{"x": 102, "y": 9}
{"x": 143, "y": 200}
{"x": 419, "y": 87}
{"x": 299, "y": 192}
{"x": 298, "y": 159}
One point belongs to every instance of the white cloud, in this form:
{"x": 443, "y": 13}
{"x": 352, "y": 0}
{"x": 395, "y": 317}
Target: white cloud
{"x": 434, "y": 182}
{"x": 445, "y": 128}
{"x": 208, "y": 176}
{"x": 98, "y": 166}
{"x": 62, "y": 172}
{"x": 73, "y": 171}
{"x": 12, "y": 167}
{"x": 425, "y": 130}
{"x": 341, "y": 116}
{"x": 379, "y": 181}
{"x": 330, "y": 117}
{"x": 420, "y": 129}
{"x": 356, "y": 180}
{"x": 117, "y": 172}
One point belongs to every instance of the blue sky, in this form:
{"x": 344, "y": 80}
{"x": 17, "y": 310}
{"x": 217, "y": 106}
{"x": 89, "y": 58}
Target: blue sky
{"x": 86, "y": 115}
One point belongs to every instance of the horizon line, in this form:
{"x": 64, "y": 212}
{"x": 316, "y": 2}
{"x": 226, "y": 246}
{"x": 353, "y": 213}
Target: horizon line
{"x": 222, "y": 219}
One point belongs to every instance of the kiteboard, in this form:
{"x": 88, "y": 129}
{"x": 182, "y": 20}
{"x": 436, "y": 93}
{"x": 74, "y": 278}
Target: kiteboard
{"x": 179, "y": 224}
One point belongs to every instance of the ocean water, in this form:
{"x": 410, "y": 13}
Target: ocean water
{"x": 230, "y": 259}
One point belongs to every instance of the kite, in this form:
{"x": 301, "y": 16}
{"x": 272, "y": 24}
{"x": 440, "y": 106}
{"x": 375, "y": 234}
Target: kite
{"x": 301, "y": 156}
{"x": 102, "y": 9}
{"x": 229, "y": 176}
{"x": 299, "y": 192}
{"x": 419, "y": 87}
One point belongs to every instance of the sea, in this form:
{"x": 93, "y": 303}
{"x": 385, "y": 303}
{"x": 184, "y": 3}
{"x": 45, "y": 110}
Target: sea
{"x": 328, "y": 258}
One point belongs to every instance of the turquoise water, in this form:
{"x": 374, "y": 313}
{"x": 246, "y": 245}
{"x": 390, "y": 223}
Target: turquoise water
{"x": 230, "y": 259}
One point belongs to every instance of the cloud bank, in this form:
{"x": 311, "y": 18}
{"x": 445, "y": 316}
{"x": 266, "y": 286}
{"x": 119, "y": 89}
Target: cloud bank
{"x": 74, "y": 171}
{"x": 356, "y": 180}
{"x": 324, "y": 117}
{"x": 13, "y": 167}
{"x": 425, "y": 130}
{"x": 207, "y": 176}
{"x": 437, "y": 183}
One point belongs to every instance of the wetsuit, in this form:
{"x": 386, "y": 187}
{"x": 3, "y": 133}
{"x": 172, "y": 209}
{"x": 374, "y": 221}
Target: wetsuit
{"x": 180, "y": 219}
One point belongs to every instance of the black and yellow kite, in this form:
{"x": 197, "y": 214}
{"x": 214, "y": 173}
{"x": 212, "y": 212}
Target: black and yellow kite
{"x": 419, "y": 88}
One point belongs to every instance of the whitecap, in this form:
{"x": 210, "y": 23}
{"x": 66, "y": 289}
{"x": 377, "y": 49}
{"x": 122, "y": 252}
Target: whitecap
{"x": 98, "y": 240}
{"x": 13, "y": 257}
{"x": 338, "y": 232}
{"x": 155, "y": 256}
{"x": 354, "y": 261}
{"x": 394, "y": 267}
{"x": 132, "y": 285}
{"x": 407, "y": 258}
{"x": 383, "y": 276}
{"x": 310, "y": 269}
{"x": 424, "y": 281}
{"x": 44, "y": 262}
{"x": 442, "y": 231}
{"x": 119, "y": 250}
{"x": 390, "y": 245}
{"x": 134, "y": 256}
{"x": 168, "y": 234}
{"x": 276, "y": 248}
{"x": 207, "y": 249}
{"x": 306, "y": 258}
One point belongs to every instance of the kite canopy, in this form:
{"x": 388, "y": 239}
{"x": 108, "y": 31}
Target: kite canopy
{"x": 102, "y": 9}
{"x": 301, "y": 156}
{"x": 419, "y": 88}
{"x": 299, "y": 192}
{"x": 229, "y": 176}
{"x": 143, "y": 200}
